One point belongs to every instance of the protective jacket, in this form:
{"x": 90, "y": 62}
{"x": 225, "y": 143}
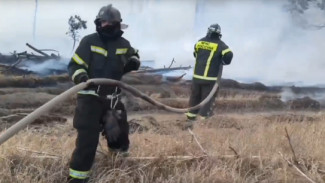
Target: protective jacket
{"x": 99, "y": 58}
{"x": 210, "y": 52}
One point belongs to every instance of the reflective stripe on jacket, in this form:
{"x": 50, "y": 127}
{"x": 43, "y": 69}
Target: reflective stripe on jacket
{"x": 209, "y": 53}
{"x": 101, "y": 59}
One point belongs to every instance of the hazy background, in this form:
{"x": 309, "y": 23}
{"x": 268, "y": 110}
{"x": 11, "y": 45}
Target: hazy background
{"x": 268, "y": 45}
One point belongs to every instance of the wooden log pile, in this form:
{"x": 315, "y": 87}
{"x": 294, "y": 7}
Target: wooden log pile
{"x": 9, "y": 64}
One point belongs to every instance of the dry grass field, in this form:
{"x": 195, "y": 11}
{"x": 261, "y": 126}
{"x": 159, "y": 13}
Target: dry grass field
{"x": 245, "y": 141}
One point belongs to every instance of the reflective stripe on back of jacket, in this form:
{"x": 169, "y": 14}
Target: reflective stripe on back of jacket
{"x": 208, "y": 52}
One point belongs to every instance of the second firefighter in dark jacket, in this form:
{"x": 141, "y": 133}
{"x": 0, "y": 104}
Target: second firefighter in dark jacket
{"x": 210, "y": 53}
{"x": 105, "y": 54}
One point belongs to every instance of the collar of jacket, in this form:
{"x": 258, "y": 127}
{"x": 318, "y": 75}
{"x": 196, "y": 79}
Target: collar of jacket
{"x": 213, "y": 36}
{"x": 106, "y": 37}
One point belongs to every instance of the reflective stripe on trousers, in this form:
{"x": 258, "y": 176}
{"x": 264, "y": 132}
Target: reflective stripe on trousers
{"x": 191, "y": 115}
{"x": 78, "y": 174}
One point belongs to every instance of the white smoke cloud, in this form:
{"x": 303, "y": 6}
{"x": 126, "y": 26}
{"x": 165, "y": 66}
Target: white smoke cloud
{"x": 45, "y": 68}
{"x": 288, "y": 94}
{"x": 268, "y": 45}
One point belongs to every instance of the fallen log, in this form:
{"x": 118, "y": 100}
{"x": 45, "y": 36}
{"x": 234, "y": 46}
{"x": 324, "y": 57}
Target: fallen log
{"x": 37, "y": 50}
{"x": 163, "y": 69}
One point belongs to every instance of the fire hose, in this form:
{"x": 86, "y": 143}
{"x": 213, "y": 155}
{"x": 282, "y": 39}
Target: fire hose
{"x": 73, "y": 90}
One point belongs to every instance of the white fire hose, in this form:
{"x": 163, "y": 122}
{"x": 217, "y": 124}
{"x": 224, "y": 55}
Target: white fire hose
{"x": 7, "y": 134}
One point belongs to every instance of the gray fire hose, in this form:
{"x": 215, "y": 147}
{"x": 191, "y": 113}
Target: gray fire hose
{"x": 65, "y": 95}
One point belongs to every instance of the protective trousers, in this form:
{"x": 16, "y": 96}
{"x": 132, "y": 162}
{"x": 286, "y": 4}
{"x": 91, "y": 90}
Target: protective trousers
{"x": 199, "y": 92}
{"x": 88, "y": 120}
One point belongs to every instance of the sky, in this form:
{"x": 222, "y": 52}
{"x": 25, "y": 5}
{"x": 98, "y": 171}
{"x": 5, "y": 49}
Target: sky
{"x": 267, "y": 43}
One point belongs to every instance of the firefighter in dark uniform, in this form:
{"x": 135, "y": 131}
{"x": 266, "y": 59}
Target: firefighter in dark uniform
{"x": 104, "y": 54}
{"x": 210, "y": 53}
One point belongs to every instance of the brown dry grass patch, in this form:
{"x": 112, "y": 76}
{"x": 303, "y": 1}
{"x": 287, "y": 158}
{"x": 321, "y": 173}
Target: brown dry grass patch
{"x": 252, "y": 123}
{"x": 42, "y": 154}
{"x": 31, "y": 81}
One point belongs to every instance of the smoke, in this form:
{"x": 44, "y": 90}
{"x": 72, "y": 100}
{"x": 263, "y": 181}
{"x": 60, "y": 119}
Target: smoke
{"x": 268, "y": 45}
{"x": 288, "y": 94}
{"x": 48, "y": 67}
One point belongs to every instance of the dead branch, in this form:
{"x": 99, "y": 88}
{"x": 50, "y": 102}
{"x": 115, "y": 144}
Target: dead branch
{"x": 296, "y": 168}
{"x": 32, "y": 56}
{"x": 197, "y": 141}
{"x": 173, "y": 61}
{"x": 291, "y": 147}
{"x": 37, "y": 50}
{"x": 236, "y": 154}
{"x": 50, "y": 50}
{"x": 295, "y": 163}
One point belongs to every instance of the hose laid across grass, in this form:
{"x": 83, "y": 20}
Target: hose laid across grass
{"x": 73, "y": 90}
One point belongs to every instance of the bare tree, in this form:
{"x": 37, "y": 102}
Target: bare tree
{"x": 75, "y": 24}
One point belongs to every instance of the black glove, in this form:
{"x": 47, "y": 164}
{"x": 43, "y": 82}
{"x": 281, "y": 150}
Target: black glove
{"x": 226, "y": 59}
{"x": 82, "y": 77}
{"x": 132, "y": 65}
